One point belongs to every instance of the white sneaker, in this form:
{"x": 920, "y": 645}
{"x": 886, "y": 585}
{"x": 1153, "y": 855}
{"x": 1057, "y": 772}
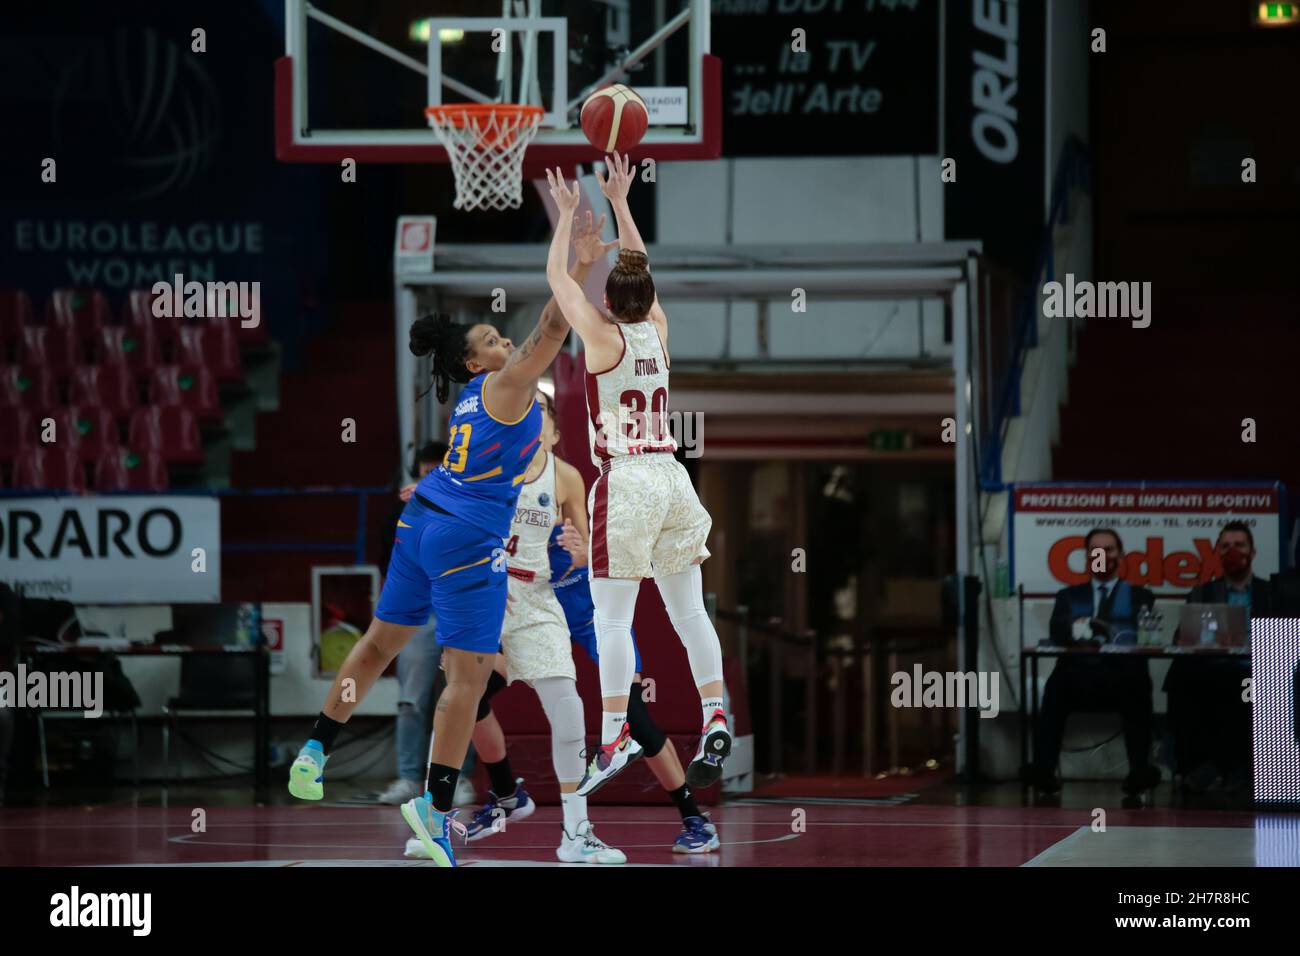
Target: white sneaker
{"x": 609, "y": 762}
{"x": 415, "y": 850}
{"x": 586, "y": 847}
{"x": 399, "y": 791}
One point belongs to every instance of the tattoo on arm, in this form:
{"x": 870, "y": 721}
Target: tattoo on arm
{"x": 442, "y": 702}
{"x": 530, "y": 343}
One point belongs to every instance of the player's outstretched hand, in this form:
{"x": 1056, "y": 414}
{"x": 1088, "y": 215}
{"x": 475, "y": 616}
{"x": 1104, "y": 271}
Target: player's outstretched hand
{"x": 586, "y": 239}
{"x": 405, "y": 493}
{"x": 567, "y": 199}
{"x": 620, "y": 176}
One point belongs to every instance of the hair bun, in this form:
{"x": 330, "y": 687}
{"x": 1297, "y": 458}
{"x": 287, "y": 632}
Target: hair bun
{"x": 428, "y": 332}
{"x": 629, "y": 260}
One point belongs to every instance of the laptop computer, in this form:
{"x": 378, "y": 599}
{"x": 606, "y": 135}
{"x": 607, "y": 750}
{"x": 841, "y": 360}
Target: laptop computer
{"x": 1224, "y": 625}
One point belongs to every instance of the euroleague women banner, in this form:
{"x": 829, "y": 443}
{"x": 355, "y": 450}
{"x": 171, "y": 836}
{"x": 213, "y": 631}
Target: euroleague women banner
{"x": 1168, "y": 531}
{"x": 130, "y": 549}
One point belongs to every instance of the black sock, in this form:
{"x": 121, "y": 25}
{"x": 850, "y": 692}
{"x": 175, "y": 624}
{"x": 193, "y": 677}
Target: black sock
{"x": 501, "y": 777}
{"x": 325, "y": 731}
{"x": 685, "y": 801}
{"x": 442, "y": 786}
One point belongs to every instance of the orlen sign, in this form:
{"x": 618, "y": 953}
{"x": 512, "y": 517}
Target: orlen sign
{"x": 1168, "y": 531}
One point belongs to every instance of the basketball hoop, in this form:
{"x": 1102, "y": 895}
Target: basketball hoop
{"x": 485, "y": 143}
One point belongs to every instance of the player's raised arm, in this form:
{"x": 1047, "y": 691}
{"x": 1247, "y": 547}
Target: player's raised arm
{"x": 581, "y": 314}
{"x": 531, "y": 359}
{"x": 615, "y": 188}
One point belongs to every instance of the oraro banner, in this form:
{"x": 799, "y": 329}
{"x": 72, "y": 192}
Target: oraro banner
{"x": 129, "y": 549}
{"x": 1167, "y": 530}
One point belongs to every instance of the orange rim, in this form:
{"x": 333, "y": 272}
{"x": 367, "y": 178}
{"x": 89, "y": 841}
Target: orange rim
{"x": 461, "y": 115}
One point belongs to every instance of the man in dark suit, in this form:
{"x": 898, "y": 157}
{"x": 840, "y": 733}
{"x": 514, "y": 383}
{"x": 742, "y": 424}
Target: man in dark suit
{"x": 1103, "y": 610}
{"x": 1210, "y": 723}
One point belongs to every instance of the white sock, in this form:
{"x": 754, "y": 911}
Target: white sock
{"x": 611, "y": 726}
{"x": 575, "y": 812}
{"x": 709, "y": 706}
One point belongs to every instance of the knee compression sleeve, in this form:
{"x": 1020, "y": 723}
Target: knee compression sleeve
{"x": 563, "y": 707}
{"x": 495, "y": 683}
{"x": 642, "y": 726}
{"x": 615, "y": 602}
{"x": 683, "y": 596}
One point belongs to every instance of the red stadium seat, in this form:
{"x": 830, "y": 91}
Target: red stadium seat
{"x": 17, "y": 431}
{"x": 136, "y": 348}
{"x": 111, "y": 387}
{"x": 214, "y": 347}
{"x": 191, "y": 386}
{"x": 15, "y": 312}
{"x": 139, "y": 314}
{"x": 29, "y": 386}
{"x": 85, "y": 311}
{"x": 122, "y": 469}
{"x": 51, "y": 347}
{"x": 47, "y": 466}
{"x": 172, "y": 431}
{"x": 94, "y": 429}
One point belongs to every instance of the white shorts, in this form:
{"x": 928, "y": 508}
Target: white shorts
{"x": 645, "y": 519}
{"x": 535, "y": 636}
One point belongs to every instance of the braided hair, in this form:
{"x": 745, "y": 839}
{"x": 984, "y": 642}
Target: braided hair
{"x": 447, "y": 342}
{"x": 629, "y": 288}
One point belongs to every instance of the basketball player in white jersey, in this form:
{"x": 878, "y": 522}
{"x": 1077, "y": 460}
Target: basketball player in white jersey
{"x": 646, "y": 518}
{"x": 535, "y": 638}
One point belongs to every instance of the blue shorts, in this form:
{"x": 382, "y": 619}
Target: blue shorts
{"x": 579, "y": 614}
{"x": 453, "y": 568}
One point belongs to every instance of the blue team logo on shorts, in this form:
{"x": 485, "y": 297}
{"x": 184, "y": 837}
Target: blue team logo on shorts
{"x": 544, "y": 499}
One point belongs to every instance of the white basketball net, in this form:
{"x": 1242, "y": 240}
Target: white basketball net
{"x": 486, "y": 149}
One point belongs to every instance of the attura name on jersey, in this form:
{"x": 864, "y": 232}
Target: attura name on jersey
{"x": 647, "y": 366}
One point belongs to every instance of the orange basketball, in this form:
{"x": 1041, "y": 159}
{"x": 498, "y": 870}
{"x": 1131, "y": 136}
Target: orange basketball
{"x": 614, "y": 118}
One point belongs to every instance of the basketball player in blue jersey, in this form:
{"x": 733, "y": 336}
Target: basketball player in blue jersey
{"x": 448, "y": 554}
{"x": 508, "y": 800}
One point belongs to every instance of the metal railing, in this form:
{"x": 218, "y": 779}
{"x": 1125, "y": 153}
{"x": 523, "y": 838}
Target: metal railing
{"x": 834, "y": 666}
{"x": 1004, "y": 345}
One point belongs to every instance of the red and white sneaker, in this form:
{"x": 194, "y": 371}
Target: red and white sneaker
{"x": 610, "y": 761}
{"x": 715, "y": 747}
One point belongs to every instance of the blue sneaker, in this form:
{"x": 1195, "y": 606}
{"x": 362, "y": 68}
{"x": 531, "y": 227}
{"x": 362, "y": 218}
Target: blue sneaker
{"x": 432, "y": 828}
{"x": 307, "y": 775}
{"x": 485, "y": 822}
{"x": 698, "y": 835}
